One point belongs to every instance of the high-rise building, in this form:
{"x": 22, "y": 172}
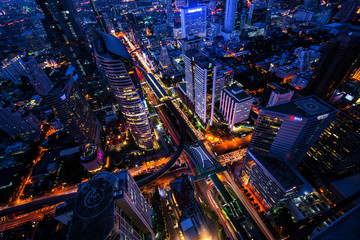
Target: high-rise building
{"x": 348, "y": 11}
{"x": 288, "y": 130}
{"x": 201, "y": 77}
{"x": 230, "y": 15}
{"x": 336, "y": 154}
{"x": 73, "y": 111}
{"x": 33, "y": 40}
{"x": 38, "y": 78}
{"x": 62, "y": 26}
{"x": 193, "y": 21}
{"x": 13, "y": 69}
{"x": 278, "y": 94}
{"x": 335, "y": 63}
{"x": 242, "y": 24}
{"x": 18, "y": 122}
{"x": 270, "y": 178}
{"x": 235, "y": 105}
{"x": 257, "y": 12}
{"x": 109, "y": 206}
{"x": 169, "y": 13}
{"x": 118, "y": 68}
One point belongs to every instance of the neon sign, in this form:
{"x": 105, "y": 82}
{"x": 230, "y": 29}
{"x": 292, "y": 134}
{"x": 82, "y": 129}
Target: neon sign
{"x": 299, "y": 119}
{"x": 194, "y": 10}
{"x": 322, "y": 116}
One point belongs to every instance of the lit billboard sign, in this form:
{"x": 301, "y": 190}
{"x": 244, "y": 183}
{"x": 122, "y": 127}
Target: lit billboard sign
{"x": 194, "y": 10}
{"x": 322, "y": 116}
{"x": 299, "y": 119}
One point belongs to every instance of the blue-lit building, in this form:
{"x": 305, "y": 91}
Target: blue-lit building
{"x": 230, "y": 15}
{"x": 193, "y": 21}
{"x": 288, "y": 130}
{"x": 271, "y": 179}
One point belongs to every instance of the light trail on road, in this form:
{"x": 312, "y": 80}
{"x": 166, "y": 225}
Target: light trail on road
{"x": 248, "y": 207}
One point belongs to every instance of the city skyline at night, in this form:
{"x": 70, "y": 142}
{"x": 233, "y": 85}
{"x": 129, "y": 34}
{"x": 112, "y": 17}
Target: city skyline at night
{"x": 179, "y": 119}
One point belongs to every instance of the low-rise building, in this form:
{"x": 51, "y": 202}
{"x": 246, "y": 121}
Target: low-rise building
{"x": 279, "y": 94}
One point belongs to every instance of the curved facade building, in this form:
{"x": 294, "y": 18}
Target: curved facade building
{"x": 118, "y": 68}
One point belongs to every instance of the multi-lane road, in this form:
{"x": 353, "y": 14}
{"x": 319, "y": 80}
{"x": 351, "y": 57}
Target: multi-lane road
{"x": 253, "y": 213}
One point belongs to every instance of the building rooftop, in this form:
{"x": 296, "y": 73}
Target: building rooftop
{"x": 200, "y": 58}
{"x": 303, "y": 107}
{"x": 236, "y": 92}
{"x": 94, "y": 206}
{"x": 346, "y": 227}
{"x": 109, "y": 46}
{"x": 280, "y": 170}
{"x": 278, "y": 89}
{"x": 348, "y": 186}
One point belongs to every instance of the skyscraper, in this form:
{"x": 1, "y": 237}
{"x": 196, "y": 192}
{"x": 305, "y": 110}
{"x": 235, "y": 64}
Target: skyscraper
{"x": 201, "y": 76}
{"x": 336, "y": 154}
{"x": 288, "y": 130}
{"x": 230, "y": 15}
{"x": 62, "y": 26}
{"x": 109, "y": 206}
{"x": 38, "y": 78}
{"x": 118, "y": 68}
{"x": 335, "y": 63}
{"x": 169, "y": 13}
{"x": 73, "y": 111}
{"x": 257, "y": 12}
{"x": 17, "y": 121}
{"x": 193, "y": 21}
